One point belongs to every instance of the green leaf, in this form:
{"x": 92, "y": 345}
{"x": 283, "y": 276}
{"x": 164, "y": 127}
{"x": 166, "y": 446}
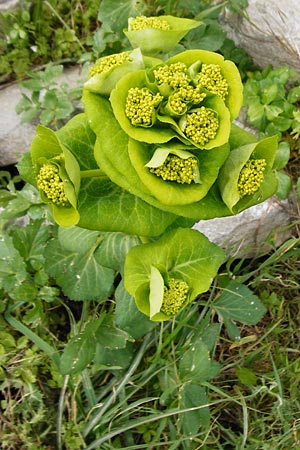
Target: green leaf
{"x": 238, "y": 303}
{"x": 80, "y": 275}
{"x": 269, "y": 94}
{"x": 230, "y": 172}
{"x": 128, "y": 317}
{"x": 298, "y": 188}
{"x": 196, "y": 364}
{"x": 110, "y": 359}
{"x": 282, "y": 155}
{"x": 30, "y": 241}
{"x": 246, "y": 376}
{"x": 113, "y": 249}
{"x": 182, "y": 254}
{"x": 154, "y": 41}
{"x": 80, "y": 350}
{"x": 110, "y": 337}
{"x": 272, "y": 112}
{"x": 106, "y": 207}
{"x": 116, "y": 13}
{"x": 294, "y": 95}
{"x": 194, "y": 396}
{"x": 284, "y": 185}
{"x": 210, "y": 36}
{"x": 12, "y": 265}
{"x": 156, "y": 294}
{"x": 209, "y": 163}
{"x": 255, "y": 113}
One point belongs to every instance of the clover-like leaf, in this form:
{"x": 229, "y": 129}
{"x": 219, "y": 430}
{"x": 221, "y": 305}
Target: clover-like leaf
{"x": 187, "y": 262}
{"x": 158, "y": 35}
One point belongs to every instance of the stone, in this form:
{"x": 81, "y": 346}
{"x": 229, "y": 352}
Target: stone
{"x": 15, "y": 137}
{"x": 268, "y": 30}
{"x": 5, "y": 5}
{"x": 253, "y": 232}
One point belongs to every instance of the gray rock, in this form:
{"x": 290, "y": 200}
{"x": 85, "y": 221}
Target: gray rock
{"x": 15, "y": 137}
{"x": 269, "y": 31}
{"x": 5, "y": 5}
{"x": 252, "y": 232}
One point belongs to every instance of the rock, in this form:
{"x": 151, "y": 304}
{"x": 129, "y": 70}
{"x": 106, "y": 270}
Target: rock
{"x": 269, "y": 31}
{"x": 247, "y": 234}
{"x": 15, "y": 137}
{"x": 5, "y": 5}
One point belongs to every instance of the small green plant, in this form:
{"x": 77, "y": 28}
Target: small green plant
{"x": 272, "y": 100}
{"x": 50, "y": 102}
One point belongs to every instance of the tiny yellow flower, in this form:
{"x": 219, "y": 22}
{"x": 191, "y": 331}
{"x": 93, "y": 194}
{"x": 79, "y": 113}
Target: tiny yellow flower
{"x": 175, "y": 296}
{"x": 251, "y": 176}
{"x": 143, "y": 22}
{"x": 182, "y": 171}
{"x": 201, "y": 125}
{"x": 140, "y": 106}
{"x": 49, "y": 182}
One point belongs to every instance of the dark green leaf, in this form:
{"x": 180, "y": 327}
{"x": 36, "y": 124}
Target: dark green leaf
{"x": 238, "y": 303}
{"x": 128, "y": 317}
{"x": 284, "y": 185}
{"x": 80, "y": 275}
{"x": 196, "y": 364}
{"x": 194, "y": 396}
{"x": 246, "y": 376}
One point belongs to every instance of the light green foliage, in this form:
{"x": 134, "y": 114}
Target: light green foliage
{"x": 53, "y": 107}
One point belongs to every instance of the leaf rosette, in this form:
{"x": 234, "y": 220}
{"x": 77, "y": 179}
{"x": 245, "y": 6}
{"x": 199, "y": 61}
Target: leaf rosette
{"x": 157, "y": 35}
{"x": 57, "y": 176}
{"x": 166, "y": 275}
{"x": 247, "y": 177}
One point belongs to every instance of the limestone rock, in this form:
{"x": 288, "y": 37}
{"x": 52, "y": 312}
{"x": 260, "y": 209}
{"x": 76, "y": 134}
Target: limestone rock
{"x": 269, "y": 32}
{"x": 15, "y": 137}
{"x": 246, "y": 234}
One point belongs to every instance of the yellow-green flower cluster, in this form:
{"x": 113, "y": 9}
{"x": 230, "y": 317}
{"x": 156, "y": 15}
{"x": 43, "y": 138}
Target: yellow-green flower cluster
{"x": 140, "y": 106}
{"x": 106, "y": 63}
{"x": 143, "y": 22}
{"x": 183, "y": 96}
{"x": 211, "y": 78}
{"x": 201, "y": 125}
{"x": 251, "y": 176}
{"x": 175, "y": 296}
{"x": 174, "y": 75}
{"x": 176, "y": 169}
{"x": 49, "y": 182}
